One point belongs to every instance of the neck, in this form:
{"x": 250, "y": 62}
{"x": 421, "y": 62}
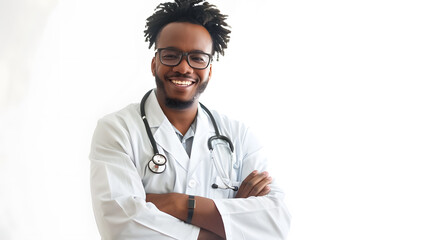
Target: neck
{"x": 180, "y": 118}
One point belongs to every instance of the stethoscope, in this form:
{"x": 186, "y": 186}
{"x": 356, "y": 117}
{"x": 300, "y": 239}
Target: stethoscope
{"x": 157, "y": 163}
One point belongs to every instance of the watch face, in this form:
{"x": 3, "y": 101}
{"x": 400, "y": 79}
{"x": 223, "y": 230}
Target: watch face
{"x": 155, "y": 168}
{"x": 159, "y": 159}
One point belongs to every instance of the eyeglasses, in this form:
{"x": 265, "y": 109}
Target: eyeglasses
{"x": 173, "y": 57}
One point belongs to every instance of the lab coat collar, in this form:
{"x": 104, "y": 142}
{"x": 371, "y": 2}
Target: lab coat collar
{"x": 163, "y": 132}
{"x": 166, "y": 138}
{"x": 204, "y": 131}
{"x": 155, "y": 115}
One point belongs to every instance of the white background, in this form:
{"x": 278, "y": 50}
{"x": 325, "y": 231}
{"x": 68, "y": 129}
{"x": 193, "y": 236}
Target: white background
{"x": 337, "y": 91}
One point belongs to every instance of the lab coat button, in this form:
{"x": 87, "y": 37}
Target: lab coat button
{"x": 192, "y": 183}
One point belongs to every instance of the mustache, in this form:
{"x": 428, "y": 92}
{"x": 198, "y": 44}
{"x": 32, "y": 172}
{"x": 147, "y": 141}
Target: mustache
{"x": 179, "y": 75}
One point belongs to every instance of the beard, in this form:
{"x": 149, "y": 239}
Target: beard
{"x": 176, "y": 103}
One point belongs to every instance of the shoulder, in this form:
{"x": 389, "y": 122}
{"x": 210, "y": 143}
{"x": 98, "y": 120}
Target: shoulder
{"x": 226, "y": 123}
{"x": 115, "y": 135}
{"x": 236, "y": 130}
{"x": 247, "y": 145}
{"x": 123, "y": 117}
{"x": 119, "y": 124}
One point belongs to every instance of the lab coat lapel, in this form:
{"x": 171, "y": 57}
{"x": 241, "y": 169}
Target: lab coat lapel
{"x": 204, "y": 131}
{"x": 167, "y": 138}
{"x": 164, "y": 134}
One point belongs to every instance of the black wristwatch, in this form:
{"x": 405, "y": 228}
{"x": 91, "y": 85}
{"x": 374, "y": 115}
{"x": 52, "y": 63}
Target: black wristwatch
{"x": 191, "y": 205}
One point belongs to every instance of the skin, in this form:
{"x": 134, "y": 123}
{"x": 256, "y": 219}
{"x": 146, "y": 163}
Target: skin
{"x": 185, "y": 37}
{"x": 190, "y": 37}
{"x": 255, "y": 184}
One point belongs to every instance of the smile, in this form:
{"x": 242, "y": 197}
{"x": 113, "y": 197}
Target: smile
{"x": 183, "y": 83}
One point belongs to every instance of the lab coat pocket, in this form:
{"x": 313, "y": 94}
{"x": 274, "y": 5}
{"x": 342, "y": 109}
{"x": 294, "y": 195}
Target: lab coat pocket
{"x": 222, "y": 188}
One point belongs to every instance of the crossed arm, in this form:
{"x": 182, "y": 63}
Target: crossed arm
{"x": 206, "y": 215}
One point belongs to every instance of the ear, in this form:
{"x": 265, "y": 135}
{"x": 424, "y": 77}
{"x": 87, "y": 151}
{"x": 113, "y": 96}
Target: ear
{"x": 153, "y": 66}
{"x": 210, "y": 72}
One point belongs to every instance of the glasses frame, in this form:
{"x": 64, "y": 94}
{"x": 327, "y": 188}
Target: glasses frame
{"x": 184, "y": 54}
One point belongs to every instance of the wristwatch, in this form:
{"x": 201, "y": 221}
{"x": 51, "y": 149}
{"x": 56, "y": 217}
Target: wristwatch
{"x": 191, "y": 205}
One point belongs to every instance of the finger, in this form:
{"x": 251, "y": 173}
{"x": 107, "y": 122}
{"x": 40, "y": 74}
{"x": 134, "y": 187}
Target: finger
{"x": 256, "y": 190}
{"x": 250, "y": 176}
{"x": 265, "y": 191}
{"x": 244, "y": 189}
{"x": 247, "y": 187}
{"x": 245, "y": 182}
{"x": 250, "y": 183}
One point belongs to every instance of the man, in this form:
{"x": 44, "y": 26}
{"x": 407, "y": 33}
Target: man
{"x": 152, "y": 173}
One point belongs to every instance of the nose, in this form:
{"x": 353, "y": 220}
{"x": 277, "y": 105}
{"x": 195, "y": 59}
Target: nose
{"x": 183, "y": 67}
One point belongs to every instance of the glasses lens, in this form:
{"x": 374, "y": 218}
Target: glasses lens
{"x": 170, "y": 57}
{"x": 199, "y": 60}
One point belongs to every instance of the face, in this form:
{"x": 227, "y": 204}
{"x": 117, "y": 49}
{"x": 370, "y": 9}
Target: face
{"x": 179, "y": 87}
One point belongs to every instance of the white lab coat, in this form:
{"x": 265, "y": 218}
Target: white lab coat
{"x": 120, "y": 178}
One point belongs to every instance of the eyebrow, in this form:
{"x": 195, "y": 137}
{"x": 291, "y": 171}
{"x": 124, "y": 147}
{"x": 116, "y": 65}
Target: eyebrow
{"x": 193, "y": 51}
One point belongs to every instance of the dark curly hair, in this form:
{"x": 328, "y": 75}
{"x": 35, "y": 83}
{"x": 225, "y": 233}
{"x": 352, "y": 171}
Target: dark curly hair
{"x": 205, "y": 14}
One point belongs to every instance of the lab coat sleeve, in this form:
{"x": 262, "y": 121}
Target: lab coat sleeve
{"x": 264, "y": 217}
{"x": 118, "y": 195}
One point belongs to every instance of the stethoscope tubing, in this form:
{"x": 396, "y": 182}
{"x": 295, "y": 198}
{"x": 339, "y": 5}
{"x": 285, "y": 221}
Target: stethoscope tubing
{"x": 158, "y": 166}
{"x": 149, "y": 132}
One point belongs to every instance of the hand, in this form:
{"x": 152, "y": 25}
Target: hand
{"x": 207, "y": 235}
{"x": 255, "y": 184}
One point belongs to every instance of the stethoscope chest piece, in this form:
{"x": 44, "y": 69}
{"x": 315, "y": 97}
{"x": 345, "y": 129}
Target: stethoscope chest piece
{"x": 157, "y": 163}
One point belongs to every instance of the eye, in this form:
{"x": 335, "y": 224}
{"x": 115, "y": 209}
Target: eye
{"x": 170, "y": 56}
{"x": 199, "y": 58}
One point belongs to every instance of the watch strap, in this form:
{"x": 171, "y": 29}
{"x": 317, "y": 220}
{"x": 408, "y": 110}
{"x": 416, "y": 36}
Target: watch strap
{"x": 191, "y": 205}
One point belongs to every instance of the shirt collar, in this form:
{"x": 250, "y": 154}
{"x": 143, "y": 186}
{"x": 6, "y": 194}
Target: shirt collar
{"x": 190, "y": 133}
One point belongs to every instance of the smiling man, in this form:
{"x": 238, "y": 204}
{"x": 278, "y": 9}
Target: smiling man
{"x": 179, "y": 83}
{"x": 169, "y": 168}
{"x": 182, "y": 70}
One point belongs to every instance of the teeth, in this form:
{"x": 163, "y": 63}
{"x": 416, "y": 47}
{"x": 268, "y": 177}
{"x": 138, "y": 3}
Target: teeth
{"x": 183, "y": 83}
